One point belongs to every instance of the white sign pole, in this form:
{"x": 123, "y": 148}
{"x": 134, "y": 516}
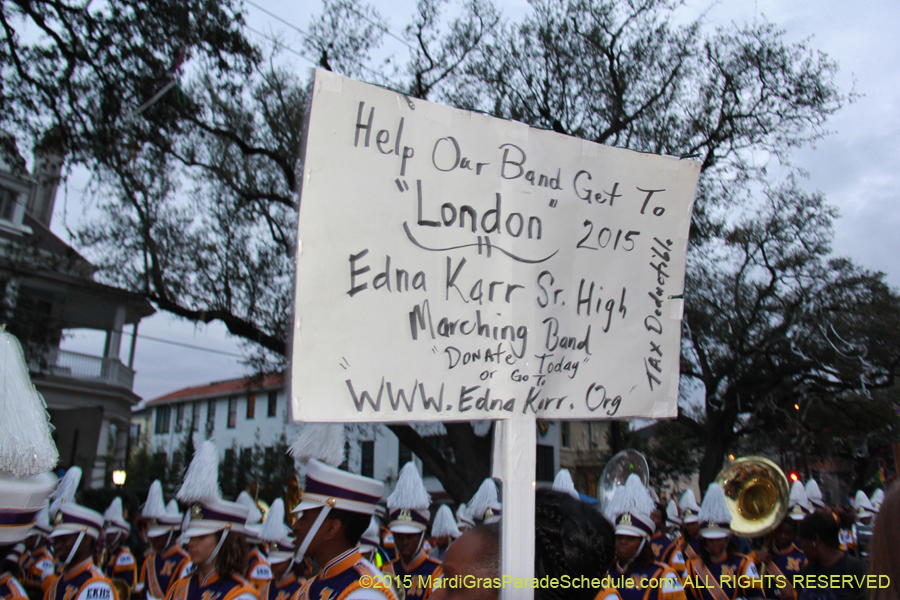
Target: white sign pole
{"x": 515, "y": 457}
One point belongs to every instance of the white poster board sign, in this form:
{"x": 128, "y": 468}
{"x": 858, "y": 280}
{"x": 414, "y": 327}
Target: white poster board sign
{"x": 453, "y": 266}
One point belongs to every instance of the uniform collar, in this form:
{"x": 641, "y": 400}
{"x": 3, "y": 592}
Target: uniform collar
{"x": 172, "y": 551}
{"x": 656, "y": 535}
{"x": 287, "y": 579}
{"x": 417, "y": 560}
{"x": 340, "y": 563}
{"x": 792, "y": 548}
{"x": 79, "y": 568}
{"x": 209, "y": 579}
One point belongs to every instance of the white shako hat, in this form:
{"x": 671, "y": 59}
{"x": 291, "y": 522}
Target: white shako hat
{"x": 369, "y": 540}
{"x": 408, "y": 503}
{"x": 278, "y": 535}
{"x": 863, "y": 505}
{"x": 160, "y": 521}
{"x": 463, "y": 518}
{"x": 630, "y": 507}
{"x": 73, "y": 518}
{"x": 690, "y": 510}
{"x": 877, "y": 499}
{"x": 672, "y": 515}
{"x": 798, "y": 506}
{"x": 485, "y": 504}
{"x": 563, "y": 483}
{"x": 114, "y": 518}
{"x": 27, "y": 451}
{"x": 814, "y": 494}
{"x": 208, "y": 512}
{"x": 339, "y": 489}
{"x": 254, "y": 517}
{"x": 715, "y": 518}
{"x": 444, "y": 524}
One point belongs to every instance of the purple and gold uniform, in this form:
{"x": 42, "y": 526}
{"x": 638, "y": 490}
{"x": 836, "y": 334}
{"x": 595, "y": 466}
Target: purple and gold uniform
{"x": 788, "y": 562}
{"x": 258, "y": 569}
{"x": 37, "y": 567}
{"x": 160, "y": 572}
{"x": 212, "y": 587}
{"x": 667, "y": 587}
{"x": 83, "y": 581}
{"x": 283, "y": 589}
{"x": 348, "y": 577}
{"x": 10, "y": 589}
{"x": 418, "y": 571}
{"x": 726, "y": 580}
{"x": 121, "y": 565}
{"x": 667, "y": 552}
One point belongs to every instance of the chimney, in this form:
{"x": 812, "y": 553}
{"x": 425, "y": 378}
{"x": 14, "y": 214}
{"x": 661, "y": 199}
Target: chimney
{"x": 49, "y": 156}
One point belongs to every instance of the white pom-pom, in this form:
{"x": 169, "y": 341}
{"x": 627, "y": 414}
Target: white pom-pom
{"x": 714, "y": 507}
{"x": 798, "y": 495}
{"x": 325, "y": 442}
{"x": 274, "y": 528}
{"x": 65, "y": 491}
{"x": 201, "y": 482}
{"x": 877, "y": 498}
{"x": 563, "y": 483}
{"x": 444, "y": 523}
{"x": 484, "y": 498}
{"x": 814, "y": 494}
{"x": 26, "y": 447}
{"x": 688, "y": 502}
{"x": 631, "y": 498}
{"x": 410, "y": 491}
{"x": 253, "y": 515}
{"x": 113, "y": 513}
{"x": 154, "y": 507}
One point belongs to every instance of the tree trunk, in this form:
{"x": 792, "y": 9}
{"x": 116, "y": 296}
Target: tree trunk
{"x": 471, "y": 457}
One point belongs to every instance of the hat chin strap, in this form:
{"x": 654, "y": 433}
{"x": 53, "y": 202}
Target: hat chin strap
{"x": 215, "y": 552}
{"x": 75, "y": 547}
{"x": 307, "y": 540}
{"x": 636, "y": 554}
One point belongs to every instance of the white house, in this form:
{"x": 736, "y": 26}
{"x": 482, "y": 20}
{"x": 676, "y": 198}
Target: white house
{"x": 240, "y": 413}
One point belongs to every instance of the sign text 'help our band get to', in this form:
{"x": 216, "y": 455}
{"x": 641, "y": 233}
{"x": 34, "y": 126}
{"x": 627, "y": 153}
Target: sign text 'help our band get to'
{"x": 454, "y": 266}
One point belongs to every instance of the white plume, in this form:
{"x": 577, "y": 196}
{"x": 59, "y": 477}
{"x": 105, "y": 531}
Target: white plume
{"x": 632, "y": 498}
{"x": 798, "y": 495}
{"x": 563, "y": 483}
{"x": 325, "y": 442}
{"x": 877, "y": 498}
{"x": 26, "y": 447}
{"x": 274, "y": 528}
{"x": 714, "y": 507}
{"x": 65, "y": 491}
{"x": 172, "y": 508}
{"x": 672, "y": 512}
{"x": 463, "y": 516}
{"x": 410, "y": 492}
{"x": 253, "y": 515}
{"x": 154, "y": 507}
{"x": 484, "y": 498}
{"x": 444, "y": 523}
{"x": 813, "y": 493}
{"x": 201, "y": 482}
{"x": 113, "y": 513}
{"x": 688, "y": 501}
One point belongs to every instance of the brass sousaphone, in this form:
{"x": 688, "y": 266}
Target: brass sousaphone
{"x": 757, "y": 494}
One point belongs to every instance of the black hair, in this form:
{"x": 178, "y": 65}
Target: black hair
{"x": 354, "y": 523}
{"x": 570, "y": 538}
{"x": 665, "y": 515}
{"x": 822, "y": 523}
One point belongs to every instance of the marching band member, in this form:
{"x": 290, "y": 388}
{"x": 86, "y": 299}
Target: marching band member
{"x": 784, "y": 560}
{"x": 690, "y": 529}
{"x": 664, "y": 549}
{"x": 408, "y": 505}
{"x": 167, "y": 561}
{"x": 371, "y": 550}
{"x": 629, "y": 510}
{"x": 285, "y": 581}
{"x": 37, "y": 563}
{"x": 75, "y": 533}
{"x": 215, "y": 531}
{"x": 444, "y": 531}
{"x": 865, "y": 517}
{"x": 334, "y": 511}
{"x": 258, "y": 569}
{"x": 718, "y": 572}
{"x": 120, "y": 563}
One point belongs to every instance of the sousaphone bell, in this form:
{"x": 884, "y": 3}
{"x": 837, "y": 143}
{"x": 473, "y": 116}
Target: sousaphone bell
{"x": 757, "y": 494}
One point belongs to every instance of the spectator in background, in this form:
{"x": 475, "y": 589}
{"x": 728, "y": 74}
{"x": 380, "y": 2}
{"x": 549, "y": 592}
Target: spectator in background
{"x": 819, "y": 538}
{"x": 884, "y": 559}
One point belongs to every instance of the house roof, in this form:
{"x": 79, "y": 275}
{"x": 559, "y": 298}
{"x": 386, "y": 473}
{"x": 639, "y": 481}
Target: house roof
{"x": 219, "y": 388}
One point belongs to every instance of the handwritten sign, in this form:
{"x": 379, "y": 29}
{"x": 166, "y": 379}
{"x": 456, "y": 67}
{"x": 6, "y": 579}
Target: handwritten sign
{"x": 453, "y": 266}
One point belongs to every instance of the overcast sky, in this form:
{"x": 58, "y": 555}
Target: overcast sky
{"x": 857, "y": 167}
